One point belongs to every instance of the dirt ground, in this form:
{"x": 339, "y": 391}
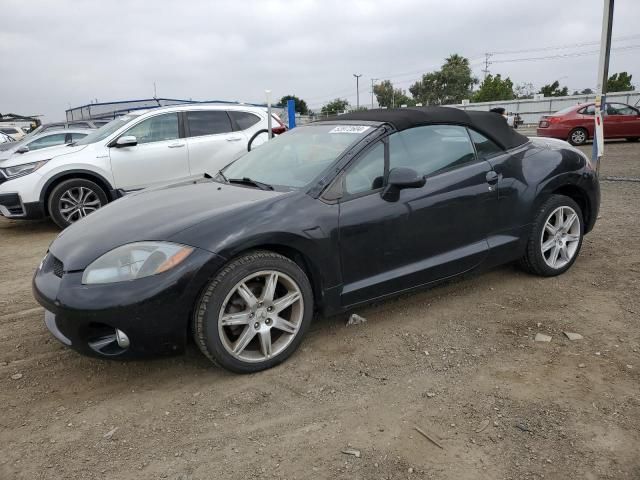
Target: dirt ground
{"x": 458, "y": 361}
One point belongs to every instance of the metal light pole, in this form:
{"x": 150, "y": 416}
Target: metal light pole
{"x": 601, "y": 84}
{"x": 357, "y": 89}
{"x": 373, "y": 80}
{"x": 269, "y": 124}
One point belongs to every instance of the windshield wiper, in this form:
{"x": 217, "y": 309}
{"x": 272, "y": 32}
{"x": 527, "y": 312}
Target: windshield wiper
{"x": 248, "y": 181}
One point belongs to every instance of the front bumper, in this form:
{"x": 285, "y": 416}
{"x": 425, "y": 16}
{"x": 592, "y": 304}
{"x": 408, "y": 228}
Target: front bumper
{"x": 154, "y": 312}
{"x": 11, "y": 206}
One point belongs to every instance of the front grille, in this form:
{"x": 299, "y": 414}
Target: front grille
{"x": 58, "y": 267}
{"x": 53, "y": 264}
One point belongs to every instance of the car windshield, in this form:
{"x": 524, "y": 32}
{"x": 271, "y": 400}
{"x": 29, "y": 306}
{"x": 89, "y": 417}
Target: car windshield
{"x": 108, "y": 129}
{"x": 295, "y": 158}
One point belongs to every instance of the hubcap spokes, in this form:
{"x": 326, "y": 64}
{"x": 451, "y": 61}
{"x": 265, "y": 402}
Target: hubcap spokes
{"x": 78, "y": 202}
{"x": 261, "y": 316}
{"x": 560, "y": 237}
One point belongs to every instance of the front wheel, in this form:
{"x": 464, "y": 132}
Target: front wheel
{"x": 254, "y": 313}
{"x": 556, "y": 237}
{"x": 74, "y": 199}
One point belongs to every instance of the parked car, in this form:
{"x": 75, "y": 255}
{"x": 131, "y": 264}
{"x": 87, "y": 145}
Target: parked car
{"x": 136, "y": 151}
{"x": 43, "y": 140}
{"x": 327, "y": 217}
{"x": 5, "y": 139}
{"x": 14, "y": 132}
{"x": 576, "y": 124}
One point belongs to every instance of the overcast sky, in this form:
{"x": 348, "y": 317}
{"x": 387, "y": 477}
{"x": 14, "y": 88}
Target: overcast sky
{"x": 61, "y": 53}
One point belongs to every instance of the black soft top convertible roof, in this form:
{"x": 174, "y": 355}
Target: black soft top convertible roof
{"x": 489, "y": 124}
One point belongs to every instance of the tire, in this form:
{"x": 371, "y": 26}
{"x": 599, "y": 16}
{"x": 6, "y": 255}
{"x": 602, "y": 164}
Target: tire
{"x": 225, "y": 297}
{"x": 578, "y": 136}
{"x": 63, "y": 195}
{"x": 539, "y": 263}
{"x": 633, "y": 139}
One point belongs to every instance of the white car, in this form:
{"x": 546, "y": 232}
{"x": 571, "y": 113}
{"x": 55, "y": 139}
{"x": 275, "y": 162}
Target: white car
{"x": 43, "y": 140}
{"x": 5, "y": 139}
{"x": 136, "y": 151}
{"x": 14, "y": 132}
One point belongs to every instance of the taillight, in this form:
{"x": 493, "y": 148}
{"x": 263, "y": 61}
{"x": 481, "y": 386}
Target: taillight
{"x": 277, "y": 126}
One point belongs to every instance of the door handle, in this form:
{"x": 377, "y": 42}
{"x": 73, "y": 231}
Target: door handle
{"x": 492, "y": 177}
{"x": 176, "y": 145}
{"x": 234, "y": 139}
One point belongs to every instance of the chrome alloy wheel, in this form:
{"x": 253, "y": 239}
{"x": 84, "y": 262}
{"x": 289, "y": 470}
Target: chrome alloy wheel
{"x": 78, "y": 202}
{"x": 560, "y": 237}
{"x": 578, "y": 137}
{"x": 261, "y": 316}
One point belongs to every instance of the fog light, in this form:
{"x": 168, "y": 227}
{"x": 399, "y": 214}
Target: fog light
{"x": 122, "y": 339}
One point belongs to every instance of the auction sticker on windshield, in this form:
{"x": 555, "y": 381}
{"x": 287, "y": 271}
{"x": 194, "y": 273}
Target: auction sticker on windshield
{"x": 350, "y": 129}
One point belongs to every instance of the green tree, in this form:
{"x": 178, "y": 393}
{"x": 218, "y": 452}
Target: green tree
{"x": 494, "y": 88}
{"x": 554, "y": 90}
{"x": 335, "y": 107}
{"x": 390, "y": 97}
{"x": 301, "y": 105}
{"x": 451, "y": 84}
{"x": 585, "y": 91}
{"x": 620, "y": 82}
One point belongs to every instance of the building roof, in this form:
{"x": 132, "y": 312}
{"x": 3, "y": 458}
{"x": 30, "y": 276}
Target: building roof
{"x": 490, "y": 124}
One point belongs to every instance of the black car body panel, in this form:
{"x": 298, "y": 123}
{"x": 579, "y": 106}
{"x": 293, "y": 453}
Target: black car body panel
{"x": 354, "y": 250}
{"x": 157, "y": 214}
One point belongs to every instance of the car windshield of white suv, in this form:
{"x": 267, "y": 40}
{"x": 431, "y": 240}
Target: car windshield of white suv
{"x": 295, "y": 158}
{"x": 108, "y": 129}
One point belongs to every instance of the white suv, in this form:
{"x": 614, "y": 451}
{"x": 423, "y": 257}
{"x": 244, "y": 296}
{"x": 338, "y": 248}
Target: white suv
{"x": 136, "y": 151}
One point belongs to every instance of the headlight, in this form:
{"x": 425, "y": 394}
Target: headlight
{"x": 24, "y": 169}
{"x": 135, "y": 260}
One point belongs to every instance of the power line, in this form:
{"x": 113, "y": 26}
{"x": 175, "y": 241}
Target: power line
{"x": 565, "y": 55}
{"x": 558, "y": 47}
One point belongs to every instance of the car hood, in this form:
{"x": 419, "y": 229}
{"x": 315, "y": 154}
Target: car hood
{"x": 156, "y": 214}
{"x": 37, "y": 155}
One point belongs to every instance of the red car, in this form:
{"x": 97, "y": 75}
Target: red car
{"x": 576, "y": 124}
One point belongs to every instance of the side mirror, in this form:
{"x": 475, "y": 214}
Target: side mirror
{"x": 126, "y": 141}
{"x": 399, "y": 179}
{"x": 22, "y": 149}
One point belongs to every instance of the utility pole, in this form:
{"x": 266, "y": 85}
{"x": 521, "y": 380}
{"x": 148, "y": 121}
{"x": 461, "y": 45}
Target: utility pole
{"x": 373, "y": 80}
{"x": 485, "y": 70}
{"x": 601, "y": 84}
{"x": 357, "y": 90}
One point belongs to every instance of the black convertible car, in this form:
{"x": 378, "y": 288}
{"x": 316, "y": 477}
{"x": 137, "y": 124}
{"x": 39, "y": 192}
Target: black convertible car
{"x": 324, "y": 218}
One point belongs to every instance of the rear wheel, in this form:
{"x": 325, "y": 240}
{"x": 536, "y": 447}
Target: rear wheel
{"x": 556, "y": 237}
{"x": 578, "y": 136}
{"x": 74, "y": 199}
{"x": 254, "y": 313}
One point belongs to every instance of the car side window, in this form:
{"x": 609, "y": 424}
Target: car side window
{"x": 367, "y": 174}
{"x": 622, "y": 109}
{"x": 430, "y": 149}
{"x": 485, "y": 148}
{"x": 208, "y": 122}
{"x": 589, "y": 110}
{"x": 156, "y": 129}
{"x": 244, "y": 120}
{"x": 79, "y": 125}
{"x": 48, "y": 141}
